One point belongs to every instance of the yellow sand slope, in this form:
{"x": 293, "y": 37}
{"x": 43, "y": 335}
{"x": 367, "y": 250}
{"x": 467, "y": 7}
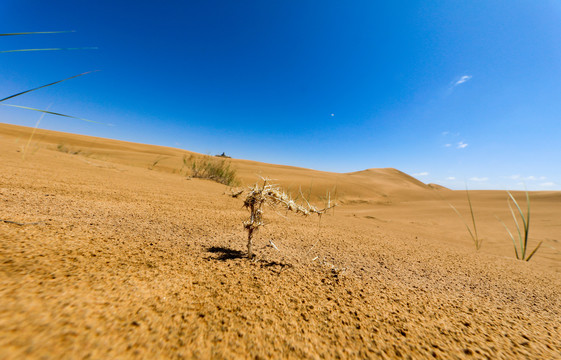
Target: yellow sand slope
{"x": 103, "y": 258}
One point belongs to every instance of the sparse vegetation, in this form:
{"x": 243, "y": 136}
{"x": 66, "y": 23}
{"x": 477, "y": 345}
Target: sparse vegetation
{"x": 208, "y": 167}
{"x": 477, "y": 241}
{"x": 153, "y": 165}
{"x": 184, "y": 164}
{"x": 523, "y": 234}
{"x": 65, "y": 149}
{"x": 272, "y": 195}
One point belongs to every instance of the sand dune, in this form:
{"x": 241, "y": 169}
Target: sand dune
{"x": 101, "y": 257}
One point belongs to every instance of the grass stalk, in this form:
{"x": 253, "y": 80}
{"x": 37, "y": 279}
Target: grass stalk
{"x": 523, "y": 232}
{"x": 46, "y": 49}
{"x": 158, "y": 159}
{"x": 47, "y": 85}
{"x": 42, "y": 49}
{"x": 37, "y": 32}
{"x": 31, "y": 136}
{"x": 474, "y": 235}
{"x": 43, "y": 86}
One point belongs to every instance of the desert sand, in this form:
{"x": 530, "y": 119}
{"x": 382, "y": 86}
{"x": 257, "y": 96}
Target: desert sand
{"x": 106, "y": 255}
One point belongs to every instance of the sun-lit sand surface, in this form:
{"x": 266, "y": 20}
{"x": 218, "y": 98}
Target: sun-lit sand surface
{"x": 119, "y": 261}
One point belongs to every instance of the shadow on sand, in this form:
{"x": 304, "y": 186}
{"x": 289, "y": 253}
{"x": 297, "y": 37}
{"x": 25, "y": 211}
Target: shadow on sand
{"x": 225, "y": 253}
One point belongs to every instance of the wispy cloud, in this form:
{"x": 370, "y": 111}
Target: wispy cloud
{"x": 450, "y": 134}
{"x": 547, "y": 184}
{"x": 462, "y": 80}
{"x": 451, "y": 138}
{"x": 450, "y": 178}
{"x": 475, "y": 178}
{"x": 526, "y": 178}
{"x": 424, "y": 173}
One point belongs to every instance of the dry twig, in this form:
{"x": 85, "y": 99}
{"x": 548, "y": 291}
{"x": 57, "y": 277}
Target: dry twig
{"x": 274, "y": 196}
{"x": 20, "y": 224}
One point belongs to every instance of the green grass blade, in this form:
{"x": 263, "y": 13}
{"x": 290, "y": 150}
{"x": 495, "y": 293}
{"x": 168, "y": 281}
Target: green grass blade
{"x": 462, "y": 218}
{"x": 44, "y": 86}
{"x": 47, "y": 49}
{"x": 527, "y": 228}
{"x": 38, "y": 32}
{"x": 512, "y": 238}
{"x": 525, "y": 221}
{"x": 519, "y": 210}
{"x": 520, "y": 239}
{"x": 50, "y": 112}
{"x": 533, "y": 252}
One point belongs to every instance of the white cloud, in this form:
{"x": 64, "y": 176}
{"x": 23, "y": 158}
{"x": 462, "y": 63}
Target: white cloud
{"x": 462, "y": 80}
{"x": 444, "y": 133}
{"x": 447, "y": 145}
{"x": 450, "y": 178}
{"x": 526, "y": 178}
{"x": 462, "y": 145}
{"x": 547, "y": 184}
{"x": 535, "y": 178}
{"x": 475, "y": 178}
{"x": 424, "y": 173}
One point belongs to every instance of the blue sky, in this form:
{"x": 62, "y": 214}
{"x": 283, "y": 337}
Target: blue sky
{"x": 450, "y": 92}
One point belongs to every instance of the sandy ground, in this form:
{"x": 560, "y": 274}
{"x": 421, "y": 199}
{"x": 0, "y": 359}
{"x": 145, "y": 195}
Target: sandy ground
{"x": 110, "y": 260}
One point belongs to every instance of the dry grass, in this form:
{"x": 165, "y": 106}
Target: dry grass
{"x": 155, "y": 162}
{"x": 68, "y": 150}
{"x": 209, "y": 167}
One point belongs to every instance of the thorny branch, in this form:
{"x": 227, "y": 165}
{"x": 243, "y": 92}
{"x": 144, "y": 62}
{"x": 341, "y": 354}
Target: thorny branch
{"x": 274, "y": 196}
